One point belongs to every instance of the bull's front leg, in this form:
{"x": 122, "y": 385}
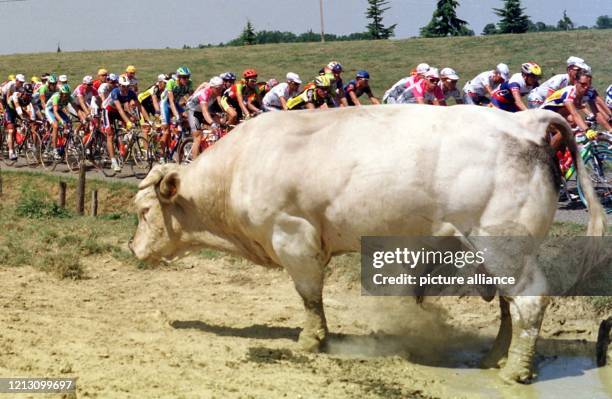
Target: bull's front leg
{"x": 498, "y": 353}
{"x": 297, "y": 246}
{"x": 527, "y": 313}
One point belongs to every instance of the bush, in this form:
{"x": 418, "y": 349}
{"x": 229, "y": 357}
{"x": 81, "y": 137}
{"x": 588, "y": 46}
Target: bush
{"x": 35, "y": 204}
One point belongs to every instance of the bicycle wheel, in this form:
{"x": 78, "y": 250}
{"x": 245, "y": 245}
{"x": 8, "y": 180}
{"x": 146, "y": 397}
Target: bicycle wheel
{"x": 32, "y": 149}
{"x": 73, "y": 152}
{"x": 47, "y": 157}
{"x": 598, "y": 165}
{"x": 138, "y": 157}
{"x": 184, "y": 151}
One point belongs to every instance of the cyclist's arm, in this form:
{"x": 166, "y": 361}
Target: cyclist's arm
{"x": 172, "y": 104}
{"x": 84, "y": 106}
{"x": 207, "y": 117}
{"x": 309, "y": 106}
{"x": 252, "y": 106}
{"x": 145, "y": 114}
{"x": 354, "y": 98}
{"x": 56, "y": 109}
{"x": 420, "y": 100}
{"x": 240, "y": 100}
{"x": 571, "y": 108}
{"x": 518, "y": 99}
{"x": 119, "y": 108}
{"x": 436, "y": 101}
{"x": 373, "y": 100}
{"x": 283, "y": 102}
{"x": 156, "y": 105}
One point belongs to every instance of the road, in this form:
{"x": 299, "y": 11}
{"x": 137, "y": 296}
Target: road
{"x": 573, "y": 211}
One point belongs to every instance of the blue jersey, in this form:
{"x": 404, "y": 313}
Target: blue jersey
{"x": 115, "y": 95}
{"x": 352, "y": 87}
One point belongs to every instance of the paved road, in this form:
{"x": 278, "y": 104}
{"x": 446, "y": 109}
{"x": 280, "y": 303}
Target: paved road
{"x": 573, "y": 212}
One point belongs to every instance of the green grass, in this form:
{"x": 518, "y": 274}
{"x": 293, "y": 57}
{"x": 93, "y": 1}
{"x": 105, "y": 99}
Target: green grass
{"x": 387, "y": 61}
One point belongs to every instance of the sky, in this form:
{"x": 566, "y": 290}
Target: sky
{"x": 38, "y": 25}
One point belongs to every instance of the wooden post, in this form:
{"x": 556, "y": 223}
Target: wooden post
{"x": 94, "y": 202}
{"x": 0, "y": 182}
{"x": 62, "y": 194}
{"x": 80, "y": 206}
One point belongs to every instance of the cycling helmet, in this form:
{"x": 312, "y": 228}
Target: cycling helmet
{"x": 11, "y": 77}
{"x": 322, "y": 81}
{"x": 531, "y": 68}
{"x": 124, "y": 81}
{"x": 88, "y": 80}
{"x": 162, "y": 77}
{"x": 35, "y": 79}
{"x": 183, "y": 71}
{"x": 294, "y": 77}
{"x": 362, "y": 75}
{"x": 432, "y": 73}
{"x": 113, "y": 78}
{"x": 503, "y": 70}
{"x": 52, "y": 78}
{"x": 28, "y": 89}
{"x": 64, "y": 89}
{"x": 228, "y": 76}
{"x": 609, "y": 96}
{"x": 335, "y": 66}
{"x": 422, "y": 68}
{"x": 571, "y": 61}
{"x": 249, "y": 73}
{"x": 102, "y": 71}
{"x": 449, "y": 73}
{"x": 63, "y": 78}
{"x": 20, "y": 78}
{"x": 216, "y": 82}
{"x": 272, "y": 82}
{"x": 130, "y": 69}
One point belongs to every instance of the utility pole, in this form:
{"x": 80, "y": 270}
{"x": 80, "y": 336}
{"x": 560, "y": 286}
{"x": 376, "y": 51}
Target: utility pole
{"x": 322, "y": 28}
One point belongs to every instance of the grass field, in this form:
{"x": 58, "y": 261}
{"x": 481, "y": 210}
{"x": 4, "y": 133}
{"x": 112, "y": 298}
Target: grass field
{"x": 387, "y": 61}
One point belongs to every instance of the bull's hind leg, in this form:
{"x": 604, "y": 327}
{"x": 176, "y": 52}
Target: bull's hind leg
{"x": 297, "y": 245}
{"x": 527, "y": 313}
{"x": 498, "y": 353}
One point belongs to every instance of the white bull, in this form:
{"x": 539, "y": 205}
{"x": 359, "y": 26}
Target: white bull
{"x": 294, "y": 188}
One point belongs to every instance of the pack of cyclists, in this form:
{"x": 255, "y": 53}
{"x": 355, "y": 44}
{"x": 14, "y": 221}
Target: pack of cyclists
{"x": 173, "y": 100}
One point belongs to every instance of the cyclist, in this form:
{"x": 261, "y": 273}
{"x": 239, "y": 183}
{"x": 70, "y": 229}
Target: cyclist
{"x": 56, "y": 114}
{"x": 105, "y": 88}
{"x": 63, "y": 79}
{"x": 149, "y": 99}
{"x": 229, "y": 78}
{"x": 477, "y": 89}
{"x": 36, "y": 83}
{"x": 333, "y": 71}
{"x": 276, "y": 99}
{"x": 357, "y": 87}
{"x": 18, "y": 107}
{"x": 314, "y": 96}
{"x": 171, "y": 111}
{"x": 203, "y": 110}
{"x": 130, "y": 72}
{"x": 11, "y": 87}
{"x": 448, "y": 84}
{"x": 539, "y": 94}
{"x": 85, "y": 94}
{"x": 424, "y": 91}
{"x": 101, "y": 79}
{"x": 391, "y": 95}
{"x": 48, "y": 89}
{"x": 508, "y": 96}
{"x": 114, "y": 112}
{"x": 609, "y": 97}
{"x": 599, "y": 110}
{"x": 238, "y": 100}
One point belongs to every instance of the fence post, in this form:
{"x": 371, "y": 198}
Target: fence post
{"x": 62, "y": 194}
{"x": 94, "y": 202}
{"x": 0, "y": 182}
{"x": 80, "y": 207}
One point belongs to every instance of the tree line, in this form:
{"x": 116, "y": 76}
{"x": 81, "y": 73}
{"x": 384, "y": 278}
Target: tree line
{"x": 444, "y": 22}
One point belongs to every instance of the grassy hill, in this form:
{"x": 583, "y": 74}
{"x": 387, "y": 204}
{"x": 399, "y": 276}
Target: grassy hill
{"x": 387, "y": 61}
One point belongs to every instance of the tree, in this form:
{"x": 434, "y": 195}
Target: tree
{"x": 489, "y": 29}
{"x": 445, "y": 21}
{"x": 565, "y": 23}
{"x": 248, "y": 34}
{"x": 513, "y": 19}
{"x": 604, "y": 22}
{"x": 374, "y": 13}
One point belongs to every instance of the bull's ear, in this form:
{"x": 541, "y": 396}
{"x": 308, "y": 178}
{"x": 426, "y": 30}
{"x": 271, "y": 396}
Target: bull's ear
{"x": 169, "y": 187}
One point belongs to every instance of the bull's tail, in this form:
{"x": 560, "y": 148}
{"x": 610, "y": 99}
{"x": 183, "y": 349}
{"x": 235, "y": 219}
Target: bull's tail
{"x": 597, "y": 215}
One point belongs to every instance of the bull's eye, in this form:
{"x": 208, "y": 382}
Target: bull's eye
{"x": 143, "y": 214}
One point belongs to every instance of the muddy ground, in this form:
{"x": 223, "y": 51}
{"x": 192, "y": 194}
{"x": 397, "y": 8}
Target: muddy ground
{"x": 223, "y": 328}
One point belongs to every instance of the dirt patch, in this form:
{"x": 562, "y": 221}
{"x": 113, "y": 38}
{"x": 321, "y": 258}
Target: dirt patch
{"x": 212, "y": 328}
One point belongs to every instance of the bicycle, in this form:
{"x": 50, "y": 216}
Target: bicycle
{"x": 209, "y": 138}
{"x": 26, "y": 143}
{"x": 597, "y": 158}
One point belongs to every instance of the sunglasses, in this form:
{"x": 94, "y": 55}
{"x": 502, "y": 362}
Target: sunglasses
{"x": 434, "y": 80}
{"x": 252, "y": 80}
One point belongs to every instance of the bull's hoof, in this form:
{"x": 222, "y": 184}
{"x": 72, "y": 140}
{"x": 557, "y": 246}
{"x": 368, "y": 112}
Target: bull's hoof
{"x": 313, "y": 342}
{"x": 514, "y": 375}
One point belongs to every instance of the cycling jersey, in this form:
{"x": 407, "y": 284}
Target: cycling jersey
{"x": 56, "y": 99}
{"x": 609, "y": 97}
{"x": 539, "y": 94}
{"x": 397, "y": 89}
{"x": 309, "y": 96}
{"x": 419, "y": 90}
{"x": 448, "y": 94}
{"x": 105, "y": 89}
{"x": 590, "y": 95}
{"x": 177, "y": 90}
{"x": 272, "y": 101}
{"x": 559, "y": 98}
{"x": 115, "y": 95}
{"x": 243, "y": 88}
{"x": 146, "y": 98}
{"x": 206, "y": 95}
{"x": 18, "y": 97}
{"x": 478, "y": 84}
{"x": 46, "y": 91}
{"x": 503, "y": 98}
{"x": 351, "y": 87}
{"x": 85, "y": 91}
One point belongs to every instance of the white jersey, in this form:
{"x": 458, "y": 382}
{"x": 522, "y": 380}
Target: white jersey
{"x": 450, "y": 93}
{"x": 552, "y": 85}
{"x": 105, "y": 89}
{"x": 396, "y": 90}
{"x": 517, "y": 81}
{"x": 272, "y": 98}
{"x": 8, "y": 88}
{"x": 479, "y": 83}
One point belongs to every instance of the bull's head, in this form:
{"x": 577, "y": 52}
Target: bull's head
{"x": 161, "y": 216}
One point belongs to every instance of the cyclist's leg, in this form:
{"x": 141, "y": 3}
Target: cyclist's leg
{"x": 166, "y": 117}
{"x": 107, "y": 125}
{"x": 10, "y": 120}
{"x": 195, "y": 124}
